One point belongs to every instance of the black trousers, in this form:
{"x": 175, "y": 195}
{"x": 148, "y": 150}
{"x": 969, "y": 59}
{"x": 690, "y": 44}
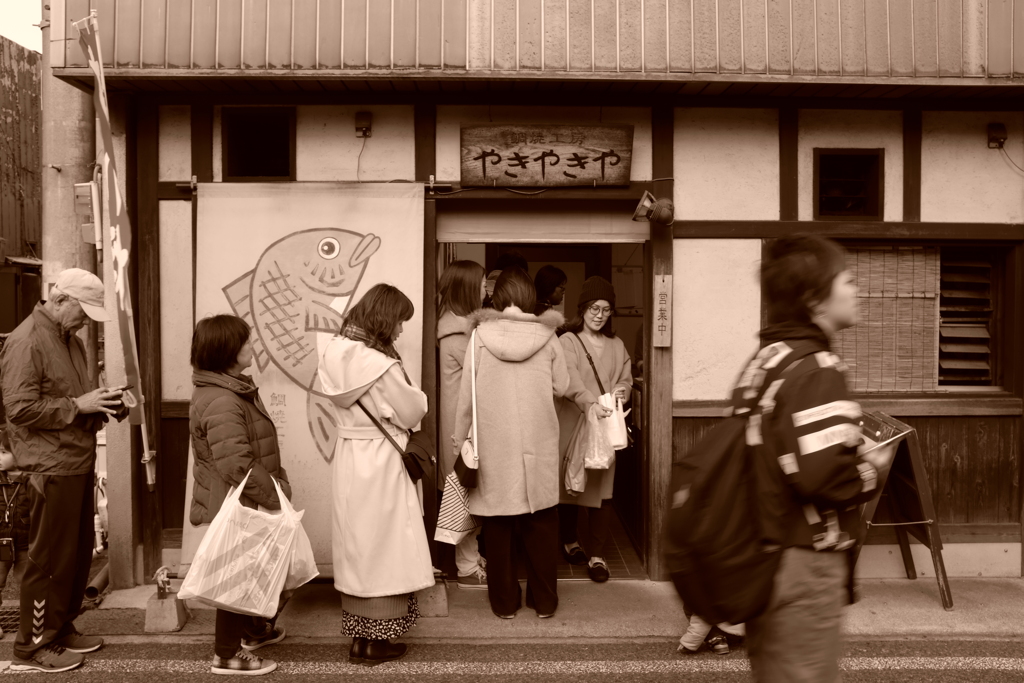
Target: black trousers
{"x": 599, "y": 521}
{"x": 60, "y": 555}
{"x": 539, "y": 534}
{"x": 230, "y": 628}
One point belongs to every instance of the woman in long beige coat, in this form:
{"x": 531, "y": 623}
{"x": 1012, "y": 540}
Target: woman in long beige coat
{"x": 591, "y": 332}
{"x": 520, "y": 367}
{"x": 379, "y": 543}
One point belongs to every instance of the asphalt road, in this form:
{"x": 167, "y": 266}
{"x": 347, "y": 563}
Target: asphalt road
{"x": 154, "y": 660}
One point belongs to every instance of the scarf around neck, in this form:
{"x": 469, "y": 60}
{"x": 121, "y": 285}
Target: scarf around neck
{"x": 358, "y": 334}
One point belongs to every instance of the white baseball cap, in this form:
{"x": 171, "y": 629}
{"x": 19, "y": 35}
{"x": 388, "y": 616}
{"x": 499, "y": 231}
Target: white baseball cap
{"x": 86, "y": 289}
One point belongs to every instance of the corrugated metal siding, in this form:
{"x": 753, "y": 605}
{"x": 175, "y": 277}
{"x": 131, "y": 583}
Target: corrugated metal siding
{"x": 20, "y": 138}
{"x": 953, "y": 38}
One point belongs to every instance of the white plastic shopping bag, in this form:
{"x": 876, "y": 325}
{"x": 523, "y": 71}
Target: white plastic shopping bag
{"x": 598, "y": 453}
{"x": 615, "y": 424}
{"x": 244, "y": 558}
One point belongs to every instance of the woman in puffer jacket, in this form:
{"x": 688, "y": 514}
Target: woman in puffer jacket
{"x": 232, "y": 434}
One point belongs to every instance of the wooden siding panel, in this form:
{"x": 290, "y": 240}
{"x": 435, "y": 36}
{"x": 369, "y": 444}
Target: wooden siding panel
{"x": 687, "y": 433}
{"x": 229, "y": 34}
{"x": 455, "y": 25}
{"x": 355, "y": 34}
{"x": 901, "y": 36}
{"x": 655, "y": 36}
{"x": 1000, "y": 28}
{"x": 854, "y": 37}
{"x": 631, "y": 35}
{"x": 975, "y": 28}
{"x": 805, "y": 46}
{"x": 404, "y": 49}
{"x": 279, "y": 48}
{"x": 950, "y": 33}
{"x": 254, "y": 54}
{"x": 580, "y": 32}
{"x": 926, "y": 33}
{"x": 556, "y": 36}
{"x": 705, "y": 45}
{"x": 680, "y": 41}
{"x": 530, "y": 36}
{"x": 828, "y": 36}
{"x": 105, "y": 14}
{"x": 430, "y": 34}
{"x": 780, "y": 36}
{"x": 605, "y": 19}
{"x": 730, "y": 53}
{"x": 154, "y": 33}
{"x": 76, "y": 10}
{"x": 204, "y": 34}
{"x": 126, "y": 42}
{"x": 380, "y": 35}
{"x": 305, "y": 34}
{"x": 877, "y": 38}
{"x": 179, "y": 35}
{"x": 329, "y": 36}
{"x": 755, "y": 52}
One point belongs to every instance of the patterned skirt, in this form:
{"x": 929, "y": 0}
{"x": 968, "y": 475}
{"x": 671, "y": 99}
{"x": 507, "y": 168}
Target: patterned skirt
{"x": 356, "y": 626}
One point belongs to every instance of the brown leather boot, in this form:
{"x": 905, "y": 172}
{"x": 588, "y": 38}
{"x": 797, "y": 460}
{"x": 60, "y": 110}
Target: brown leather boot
{"x": 356, "y": 654}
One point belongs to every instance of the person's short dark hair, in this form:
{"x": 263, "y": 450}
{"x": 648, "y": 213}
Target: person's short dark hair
{"x": 548, "y": 278}
{"x": 514, "y": 288}
{"x": 379, "y": 312}
{"x": 798, "y": 273}
{"x": 217, "y": 342}
{"x": 458, "y": 290}
{"x": 5, "y": 440}
{"x": 576, "y": 324}
{"x": 512, "y": 258}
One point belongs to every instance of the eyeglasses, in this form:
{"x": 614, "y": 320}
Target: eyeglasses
{"x": 594, "y": 310}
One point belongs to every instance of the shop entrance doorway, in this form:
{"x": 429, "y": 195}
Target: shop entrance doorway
{"x": 622, "y": 264}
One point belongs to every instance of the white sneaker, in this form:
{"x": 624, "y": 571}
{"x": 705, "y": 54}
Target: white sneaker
{"x": 475, "y": 581}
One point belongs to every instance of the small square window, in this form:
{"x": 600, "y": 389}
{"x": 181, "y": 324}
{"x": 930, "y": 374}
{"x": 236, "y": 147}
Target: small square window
{"x": 258, "y": 143}
{"x": 849, "y": 184}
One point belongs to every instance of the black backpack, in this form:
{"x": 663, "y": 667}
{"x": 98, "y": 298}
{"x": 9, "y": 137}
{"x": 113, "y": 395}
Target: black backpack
{"x": 716, "y": 552}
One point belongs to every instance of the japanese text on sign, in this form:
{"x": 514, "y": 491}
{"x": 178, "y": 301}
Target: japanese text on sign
{"x": 537, "y": 156}
{"x": 662, "y": 311}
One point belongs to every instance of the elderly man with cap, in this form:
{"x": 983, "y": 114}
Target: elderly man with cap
{"x": 54, "y": 411}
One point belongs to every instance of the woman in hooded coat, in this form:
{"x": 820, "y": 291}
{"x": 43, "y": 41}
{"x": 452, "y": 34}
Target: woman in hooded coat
{"x": 520, "y": 367}
{"x": 379, "y": 543}
{"x": 460, "y": 293}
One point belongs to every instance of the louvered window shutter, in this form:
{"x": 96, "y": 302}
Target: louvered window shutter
{"x": 965, "y": 332}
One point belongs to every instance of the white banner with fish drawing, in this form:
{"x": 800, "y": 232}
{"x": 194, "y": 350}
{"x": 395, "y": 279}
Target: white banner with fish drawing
{"x": 291, "y": 258}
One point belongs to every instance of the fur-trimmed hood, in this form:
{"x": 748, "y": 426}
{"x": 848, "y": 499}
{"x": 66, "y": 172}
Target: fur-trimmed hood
{"x": 512, "y": 335}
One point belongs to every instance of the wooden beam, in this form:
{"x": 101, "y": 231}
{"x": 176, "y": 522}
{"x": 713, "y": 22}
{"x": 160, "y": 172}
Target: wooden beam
{"x": 911, "y": 165}
{"x": 202, "y": 169}
{"x": 457, "y": 194}
{"x": 425, "y": 128}
{"x": 147, "y": 237}
{"x": 658, "y": 361}
{"x": 953, "y": 232}
{"x": 789, "y": 190}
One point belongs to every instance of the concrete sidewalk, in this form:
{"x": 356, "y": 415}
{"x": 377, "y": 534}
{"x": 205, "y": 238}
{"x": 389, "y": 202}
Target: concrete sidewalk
{"x": 620, "y": 610}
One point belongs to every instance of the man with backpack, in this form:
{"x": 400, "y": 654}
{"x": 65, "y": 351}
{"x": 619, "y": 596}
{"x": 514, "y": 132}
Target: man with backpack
{"x": 766, "y": 517}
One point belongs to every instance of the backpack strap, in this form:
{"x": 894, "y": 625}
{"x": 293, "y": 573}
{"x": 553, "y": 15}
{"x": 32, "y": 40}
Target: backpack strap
{"x": 600, "y": 385}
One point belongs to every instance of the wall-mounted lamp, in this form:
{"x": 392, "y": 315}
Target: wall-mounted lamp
{"x": 654, "y": 210}
{"x": 996, "y": 135}
{"x": 364, "y": 124}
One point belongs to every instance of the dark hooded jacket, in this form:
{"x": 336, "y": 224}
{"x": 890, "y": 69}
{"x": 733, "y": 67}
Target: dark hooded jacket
{"x": 232, "y": 432}
{"x": 807, "y": 430}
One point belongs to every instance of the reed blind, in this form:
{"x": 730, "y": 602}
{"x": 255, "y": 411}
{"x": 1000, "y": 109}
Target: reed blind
{"x": 894, "y": 346}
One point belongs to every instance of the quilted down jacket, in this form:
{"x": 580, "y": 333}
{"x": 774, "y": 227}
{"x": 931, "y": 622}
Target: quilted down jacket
{"x": 232, "y": 432}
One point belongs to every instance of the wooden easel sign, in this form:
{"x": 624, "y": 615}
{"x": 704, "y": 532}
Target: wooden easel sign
{"x": 893, "y": 448}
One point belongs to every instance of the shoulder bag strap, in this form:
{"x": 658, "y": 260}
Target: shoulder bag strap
{"x": 381, "y": 428}
{"x": 472, "y": 376}
{"x": 600, "y": 385}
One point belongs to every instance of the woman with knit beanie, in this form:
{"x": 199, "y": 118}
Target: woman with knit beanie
{"x": 598, "y": 363}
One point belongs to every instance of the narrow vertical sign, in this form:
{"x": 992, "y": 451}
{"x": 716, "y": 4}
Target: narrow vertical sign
{"x": 662, "y": 311}
{"x": 118, "y": 233}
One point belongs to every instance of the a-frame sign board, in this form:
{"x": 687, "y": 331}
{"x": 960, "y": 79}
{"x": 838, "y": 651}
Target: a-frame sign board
{"x": 894, "y": 449}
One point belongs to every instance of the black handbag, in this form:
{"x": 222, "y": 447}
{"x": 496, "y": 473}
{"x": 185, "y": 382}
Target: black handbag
{"x": 419, "y": 457}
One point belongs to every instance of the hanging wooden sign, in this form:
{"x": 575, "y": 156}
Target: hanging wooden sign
{"x": 546, "y": 156}
{"x": 662, "y": 311}
{"x": 893, "y": 448}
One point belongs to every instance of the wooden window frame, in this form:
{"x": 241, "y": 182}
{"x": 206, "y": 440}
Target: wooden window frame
{"x": 878, "y": 152}
{"x": 226, "y": 114}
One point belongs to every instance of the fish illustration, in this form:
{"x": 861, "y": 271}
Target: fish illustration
{"x": 287, "y": 299}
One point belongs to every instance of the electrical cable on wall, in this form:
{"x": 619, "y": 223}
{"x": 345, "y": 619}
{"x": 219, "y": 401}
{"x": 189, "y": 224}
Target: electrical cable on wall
{"x": 359, "y": 159}
{"x": 1005, "y": 154}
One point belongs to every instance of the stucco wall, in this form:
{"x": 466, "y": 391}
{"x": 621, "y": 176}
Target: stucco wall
{"x": 174, "y": 146}
{"x": 831, "y": 128}
{"x": 717, "y": 311}
{"x": 726, "y": 164}
{"x": 449, "y": 119}
{"x": 962, "y": 180}
{"x": 175, "y": 299}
